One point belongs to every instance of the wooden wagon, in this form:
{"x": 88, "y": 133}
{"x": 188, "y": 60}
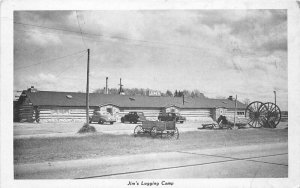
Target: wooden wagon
{"x": 156, "y": 128}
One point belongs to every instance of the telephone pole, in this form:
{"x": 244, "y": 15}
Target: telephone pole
{"x": 87, "y": 87}
{"x": 275, "y": 96}
{"x": 235, "y": 104}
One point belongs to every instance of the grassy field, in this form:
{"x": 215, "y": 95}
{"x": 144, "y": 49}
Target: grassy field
{"x": 92, "y": 146}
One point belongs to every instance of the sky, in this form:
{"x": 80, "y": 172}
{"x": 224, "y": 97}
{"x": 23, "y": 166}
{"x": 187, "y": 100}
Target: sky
{"x": 218, "y": 52}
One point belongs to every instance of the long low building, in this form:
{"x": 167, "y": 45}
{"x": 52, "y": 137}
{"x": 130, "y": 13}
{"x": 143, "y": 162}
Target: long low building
{"x": 53, "y": 106}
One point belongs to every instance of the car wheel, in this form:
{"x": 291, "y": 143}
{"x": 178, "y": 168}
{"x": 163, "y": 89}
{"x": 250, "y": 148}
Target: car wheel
{"x": 181, "y": 121}
{"x": 111, "y": 123}
{"x": 122, "y": 120}
{"x": 100, "y": 122}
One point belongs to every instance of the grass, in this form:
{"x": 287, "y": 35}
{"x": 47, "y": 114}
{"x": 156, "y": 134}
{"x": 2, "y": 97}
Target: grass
{"x": 86, "y": 128}
{"x": 96, "y": 145}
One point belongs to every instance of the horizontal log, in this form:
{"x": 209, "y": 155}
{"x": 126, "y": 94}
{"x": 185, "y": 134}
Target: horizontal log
{"x": 63, "y": 118}
{"x": 195, "y": 113}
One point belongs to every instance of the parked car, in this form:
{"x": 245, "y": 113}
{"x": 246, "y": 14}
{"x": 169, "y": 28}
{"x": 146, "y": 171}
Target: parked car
{"x": 102, "y": 117}
{"x": 170, "y": 116}
{"x": 133, "y": 117}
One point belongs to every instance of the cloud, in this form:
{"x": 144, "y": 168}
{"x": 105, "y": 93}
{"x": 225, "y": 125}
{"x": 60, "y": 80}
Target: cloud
{"x": 40, "y": 38}
{"x": 43, "y": 78}
{"x": 221, "y": 52}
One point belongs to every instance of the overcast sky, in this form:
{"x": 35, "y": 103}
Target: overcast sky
{"x": 219, "y": 52}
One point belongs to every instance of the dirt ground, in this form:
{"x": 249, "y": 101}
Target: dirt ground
{"x": 30, "y": 130}
{"x": 41, "y": 149}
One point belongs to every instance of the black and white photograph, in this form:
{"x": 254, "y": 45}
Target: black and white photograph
{"x": 150, "y": 97}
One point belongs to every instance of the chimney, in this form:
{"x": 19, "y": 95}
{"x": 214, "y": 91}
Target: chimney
{"x": 230, "y": 98}
{"x": 32, "y": 89}
{"x": 121, "y": 92}
{"x": 106, "y": 88}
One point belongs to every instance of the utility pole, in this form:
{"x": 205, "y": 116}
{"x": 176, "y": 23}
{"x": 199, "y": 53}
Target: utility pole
{"x": 121, "y": 90}
{"x": 275, "y": 96}
{"x": 106, "y": 87}
{"x": 235, "y": 104}
{"x": 87, "y": 87}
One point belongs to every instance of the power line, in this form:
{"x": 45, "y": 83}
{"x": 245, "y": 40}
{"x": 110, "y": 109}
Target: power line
{"x": 111, "y": 37}
{"x": 80, "y": 29}
{"x": 71, "y": 66}
{"x": 49, "y": 60}
{"x": 100, "y": 41}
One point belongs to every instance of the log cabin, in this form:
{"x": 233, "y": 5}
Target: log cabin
{"x": 54, "y": 106}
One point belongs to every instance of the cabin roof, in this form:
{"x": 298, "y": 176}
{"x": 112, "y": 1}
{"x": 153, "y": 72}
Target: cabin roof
{"x": 54, "y": 98}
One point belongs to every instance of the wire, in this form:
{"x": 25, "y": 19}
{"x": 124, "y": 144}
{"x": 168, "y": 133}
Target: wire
{"x": 49, "y": 60}
{"x": 101, "y": 40}
{"x": 80, "y": 29}
{"x": 72, "y": 65}
{"x": 111, "y": 37}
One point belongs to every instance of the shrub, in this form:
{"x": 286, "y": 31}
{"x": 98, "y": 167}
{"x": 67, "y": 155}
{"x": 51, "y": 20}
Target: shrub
{"x": 87, "y": 129}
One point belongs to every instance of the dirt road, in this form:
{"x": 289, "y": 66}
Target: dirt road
{"x": 260, "y": 160}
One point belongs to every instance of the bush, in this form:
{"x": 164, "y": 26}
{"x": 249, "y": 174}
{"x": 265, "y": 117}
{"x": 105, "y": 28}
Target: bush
{"x": 87, "y": 129}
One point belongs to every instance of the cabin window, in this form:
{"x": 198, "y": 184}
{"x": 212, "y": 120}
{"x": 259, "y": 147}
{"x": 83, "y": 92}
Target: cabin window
{"x": 109, "y": 110}
{"x": 240, "y": 113}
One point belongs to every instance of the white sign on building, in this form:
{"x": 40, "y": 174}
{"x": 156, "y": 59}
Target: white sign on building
{"x": 154, "y": 93}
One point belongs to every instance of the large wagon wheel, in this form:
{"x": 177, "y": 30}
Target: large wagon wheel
{"x": 273, "y": 115}
{"x": 138, "y": 130}
{"x": 256, "y": 111}
{"x": 173, "y": 134}
{"x": 154, "y": 131}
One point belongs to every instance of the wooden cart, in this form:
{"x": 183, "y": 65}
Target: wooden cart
{"x": 155, "y": 128}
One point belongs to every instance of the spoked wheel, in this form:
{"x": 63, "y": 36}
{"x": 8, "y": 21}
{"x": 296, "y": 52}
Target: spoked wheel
{"x": 138, "y": 130}
{"x": 273, "y": 115}
{"x": 256, "y": 111}
{"x": 154, "y": 132}
{"x": 173, "y": 134}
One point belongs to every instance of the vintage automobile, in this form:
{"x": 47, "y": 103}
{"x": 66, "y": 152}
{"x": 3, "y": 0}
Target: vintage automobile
{"x": 133, "y": 117}
{"x": 102, "y": 117}
{"x": 170, "y": 116}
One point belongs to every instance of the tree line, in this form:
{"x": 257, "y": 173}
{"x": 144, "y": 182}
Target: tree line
{"x": 145, "y": 92}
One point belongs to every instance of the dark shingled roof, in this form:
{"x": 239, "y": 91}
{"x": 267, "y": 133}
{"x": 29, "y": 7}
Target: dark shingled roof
{"x": 52, "y": 98}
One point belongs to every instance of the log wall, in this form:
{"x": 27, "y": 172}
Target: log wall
{"x": 26, "y": 113}
{"x": 197, "y": 114}
{"x": 54, "y": 114}
{"x": 63, "y": 114}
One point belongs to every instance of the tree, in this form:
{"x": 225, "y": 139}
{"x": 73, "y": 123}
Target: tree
{"x": 246, "y": 101}
{"x": 186, "y": 93}
{"x": 220, "y": 97}
{"x": 169, "y": 93}
{"x": 176, "y": 93}
{"x": 197, "y": 93}
{"x": 145, "y": 92}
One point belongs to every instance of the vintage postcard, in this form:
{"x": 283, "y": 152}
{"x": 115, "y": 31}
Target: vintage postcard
{"x": 150, "y": 94}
